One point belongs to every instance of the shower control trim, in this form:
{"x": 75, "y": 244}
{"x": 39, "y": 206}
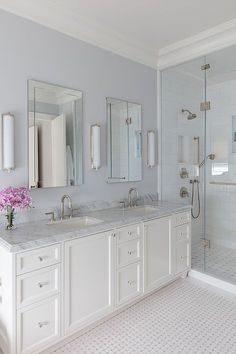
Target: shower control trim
{"x": 184, "y": 192}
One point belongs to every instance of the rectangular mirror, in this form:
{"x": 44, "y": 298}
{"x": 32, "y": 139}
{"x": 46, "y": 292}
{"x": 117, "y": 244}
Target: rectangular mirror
{"x": 124, "y": 141}
{"x": 55, "y": 135}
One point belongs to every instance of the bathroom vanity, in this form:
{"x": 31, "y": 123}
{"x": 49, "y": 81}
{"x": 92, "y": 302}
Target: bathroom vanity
{"x": 59, "y": 279}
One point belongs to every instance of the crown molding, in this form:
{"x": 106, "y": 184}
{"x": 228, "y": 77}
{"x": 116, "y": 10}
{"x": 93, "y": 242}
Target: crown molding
{"x": 205, "y": 42}
{"x": 94, "y": 33}
{"x": 83, "y": 29}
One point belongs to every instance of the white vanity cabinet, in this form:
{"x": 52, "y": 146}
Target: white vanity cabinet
{"x": 49, "y": 293}
{"x": 89, "y": 268}
{"x": 157, "y": 253}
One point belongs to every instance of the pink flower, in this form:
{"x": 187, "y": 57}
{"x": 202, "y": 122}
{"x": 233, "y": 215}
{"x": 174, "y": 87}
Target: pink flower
{"x": 15, "y": 197}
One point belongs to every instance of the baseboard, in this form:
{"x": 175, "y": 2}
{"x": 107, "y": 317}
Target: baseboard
{"x": 221, "y": 284}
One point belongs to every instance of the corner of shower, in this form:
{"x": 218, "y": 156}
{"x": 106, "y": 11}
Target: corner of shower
{"x": 193, "y": 166}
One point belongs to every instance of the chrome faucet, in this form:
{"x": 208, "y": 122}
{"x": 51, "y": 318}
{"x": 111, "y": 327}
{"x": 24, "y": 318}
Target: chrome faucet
{"x": 63, "y": 206}
{"x": 130, "y": 200}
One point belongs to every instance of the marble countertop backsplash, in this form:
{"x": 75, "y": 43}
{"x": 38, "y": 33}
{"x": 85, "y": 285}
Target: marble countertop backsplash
{"x": 38, "y": 232}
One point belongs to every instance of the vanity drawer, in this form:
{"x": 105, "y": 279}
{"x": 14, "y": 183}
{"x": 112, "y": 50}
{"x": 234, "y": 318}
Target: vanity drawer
{"x": 128, "y": 233}
{"x": 35, "y": 286}
{"x": 129, "y": 283}
{"x": 38, "y": 325}
{"x": 128, "y": 252}
{"x": 181, "y": 218}
{"x": 182, "y": 257}
{"x": 182, "y": 233}
{"x": 39, "y": 258}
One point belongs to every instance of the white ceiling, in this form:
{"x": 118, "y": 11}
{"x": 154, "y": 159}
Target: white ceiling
{"x": 136, "y": 29}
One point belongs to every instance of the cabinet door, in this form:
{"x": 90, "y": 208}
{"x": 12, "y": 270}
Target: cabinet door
{"x": 157, "y": 251}
{"x": 88, "y": 280}
{"x": 129, "y": 283}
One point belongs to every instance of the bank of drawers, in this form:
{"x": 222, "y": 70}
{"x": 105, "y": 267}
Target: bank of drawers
{"x": 128, "y": 263}
{"x": 181, "y": 231}
{"x": 38, "y": 297}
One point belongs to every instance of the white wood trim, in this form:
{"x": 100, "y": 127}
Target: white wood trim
{"x": 205, "y": 42}
{"x": 221, "y": 284}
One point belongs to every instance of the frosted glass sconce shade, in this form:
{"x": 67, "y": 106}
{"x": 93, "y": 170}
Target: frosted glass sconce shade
{"x": 95, "y": 143}
{"x": 151, "y": 148}
{"x": 7, "y": 142}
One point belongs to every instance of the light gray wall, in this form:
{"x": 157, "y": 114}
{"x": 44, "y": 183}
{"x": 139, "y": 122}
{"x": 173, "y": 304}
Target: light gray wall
{"x": 31, "y": 51}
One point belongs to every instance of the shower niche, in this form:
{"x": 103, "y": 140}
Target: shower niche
{"x": 188, "y": 149}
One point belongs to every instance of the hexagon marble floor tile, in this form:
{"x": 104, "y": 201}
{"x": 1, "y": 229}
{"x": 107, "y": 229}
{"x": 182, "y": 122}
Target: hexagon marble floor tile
{"x": 186, "y": 317}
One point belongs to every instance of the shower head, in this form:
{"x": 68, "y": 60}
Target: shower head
{"x": 190, "y": 115}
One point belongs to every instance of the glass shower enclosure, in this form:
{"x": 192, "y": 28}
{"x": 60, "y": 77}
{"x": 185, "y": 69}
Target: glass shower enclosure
{"x": 198, "y": 164}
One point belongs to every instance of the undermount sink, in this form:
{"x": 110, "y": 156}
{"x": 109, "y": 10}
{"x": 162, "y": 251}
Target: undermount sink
{"x": 78, "y": 222}
{"x": 140, "y": 211}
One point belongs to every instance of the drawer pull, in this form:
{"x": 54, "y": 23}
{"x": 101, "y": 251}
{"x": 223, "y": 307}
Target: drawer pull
{"x": 129, "y": 233}
{"x": 131, "y": 252}
{"x": 42, "y": 258}
{"x": 182, "y": 257}
{"x": 42, "y": 284}
{"x": 42, "y": 324}
{"x": 131, "y": 282}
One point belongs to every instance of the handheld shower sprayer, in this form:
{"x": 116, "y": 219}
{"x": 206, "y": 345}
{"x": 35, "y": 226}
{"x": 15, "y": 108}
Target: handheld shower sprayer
{"x": 209, "y": 157}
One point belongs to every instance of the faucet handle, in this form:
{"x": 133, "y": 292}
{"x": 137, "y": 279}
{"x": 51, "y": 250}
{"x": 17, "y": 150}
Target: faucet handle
{"x": 122, "y": 204}
{"x": 52, "y": 215}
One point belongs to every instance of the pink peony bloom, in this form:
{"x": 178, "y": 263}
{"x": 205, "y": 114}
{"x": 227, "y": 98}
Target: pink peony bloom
{"x": 15, "y": 197}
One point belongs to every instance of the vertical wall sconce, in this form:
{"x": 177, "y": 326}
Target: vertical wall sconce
{"x": 95, "y": 146}
{"x": 7, "y": 142}
{"x": 151, "y": 148}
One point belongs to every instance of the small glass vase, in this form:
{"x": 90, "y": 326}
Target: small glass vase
{"x": 10, "y": 215}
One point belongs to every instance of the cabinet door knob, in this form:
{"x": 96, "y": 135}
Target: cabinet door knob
{"x": 131, "y": 252}
{"x": 42, "y": 324}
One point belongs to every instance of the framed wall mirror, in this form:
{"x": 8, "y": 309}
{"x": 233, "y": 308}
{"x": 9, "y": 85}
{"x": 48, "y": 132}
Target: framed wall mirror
{"x": 55, "y": 119}
{"x": 124, "y": 141}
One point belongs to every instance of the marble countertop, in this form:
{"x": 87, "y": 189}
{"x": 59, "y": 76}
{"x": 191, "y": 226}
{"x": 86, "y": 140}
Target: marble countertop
{"x": 35, "y": 234}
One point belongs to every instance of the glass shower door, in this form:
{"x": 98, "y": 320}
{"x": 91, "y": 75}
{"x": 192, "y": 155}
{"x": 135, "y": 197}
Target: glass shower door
{"x": 183, "y": 145}
{"x": 220, "y": 167}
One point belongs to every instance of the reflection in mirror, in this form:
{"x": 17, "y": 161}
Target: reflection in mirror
{"x": 55, "y": 135}
{"x": 124, "y": 141}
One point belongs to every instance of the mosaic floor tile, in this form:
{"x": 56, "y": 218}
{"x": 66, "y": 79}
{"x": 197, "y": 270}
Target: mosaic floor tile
{"x": 186, "y": 317}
